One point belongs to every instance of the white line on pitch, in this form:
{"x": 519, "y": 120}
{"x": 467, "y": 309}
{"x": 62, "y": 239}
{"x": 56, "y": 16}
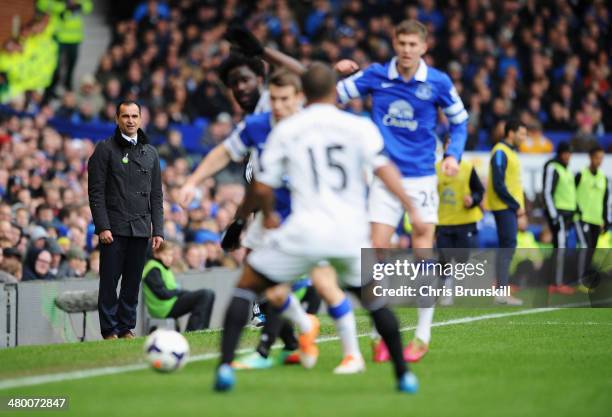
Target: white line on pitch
{"x": 111, "y": 370}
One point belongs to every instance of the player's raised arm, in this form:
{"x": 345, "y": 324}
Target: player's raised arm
{"x": 213, "y": 162}
{"x": 233, "y": 148}
{"x": 249, "y": 45}
{"x": 272, "y": 169}
{"x": 452, "y": 106}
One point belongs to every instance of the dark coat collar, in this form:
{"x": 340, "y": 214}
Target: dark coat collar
{"x": 124, "y": 143}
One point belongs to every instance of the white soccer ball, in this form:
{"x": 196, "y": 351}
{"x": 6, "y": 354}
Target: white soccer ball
{"x": 166, "y": 350}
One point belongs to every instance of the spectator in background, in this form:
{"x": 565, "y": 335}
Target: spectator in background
{"x": 90, "y": 95}
{"x": 75, "y": 265}
{"x": 173, "y": 149}
{"x": 195, "y": 256}
{"x": 69, "y": 35}
{"x": 164, "y": 298}
{"x": 535, "y": 142}
{"x": 218, "y": 130}
{"x": 38, "y": 237}
{"x": 36, "y": 265}
{"x": 159, "y": 129}
{"x": 94, "y": 265}
{"x": 57, "y": 256}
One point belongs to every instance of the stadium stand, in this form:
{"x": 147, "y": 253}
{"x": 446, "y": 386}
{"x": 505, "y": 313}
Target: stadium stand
{"x": 548, "y": 64}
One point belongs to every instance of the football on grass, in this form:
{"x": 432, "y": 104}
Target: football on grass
{"x": 166, "y": 350}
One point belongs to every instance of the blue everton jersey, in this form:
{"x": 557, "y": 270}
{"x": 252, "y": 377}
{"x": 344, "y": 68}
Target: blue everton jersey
{"x": 252, "y": 133}
{"x": 406, "y": 112}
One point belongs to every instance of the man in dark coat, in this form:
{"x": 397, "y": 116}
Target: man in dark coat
{"x": 125, "y": 196}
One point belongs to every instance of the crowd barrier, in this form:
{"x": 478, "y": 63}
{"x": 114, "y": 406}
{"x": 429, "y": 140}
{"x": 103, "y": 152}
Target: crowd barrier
{"x": 29, "y": 316}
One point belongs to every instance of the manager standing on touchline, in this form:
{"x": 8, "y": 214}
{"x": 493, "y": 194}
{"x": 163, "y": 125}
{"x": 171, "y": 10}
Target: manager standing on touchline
{"x": 126, "y": 200}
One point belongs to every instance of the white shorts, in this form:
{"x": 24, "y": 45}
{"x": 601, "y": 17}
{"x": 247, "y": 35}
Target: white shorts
{"x": 255, "y": 233}
{"x": 280, "y": 267}
{"x": 385, "y": 208}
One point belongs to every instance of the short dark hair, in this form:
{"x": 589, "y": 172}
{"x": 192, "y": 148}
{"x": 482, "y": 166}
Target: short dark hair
{"x": 126, "y": 103}
{"x": 512, "y": 125}
{"x": 41, "y": 207}
{"x": 237, "y": 60}
{"x": 318, "y": 81}
{"x": 595, "y": 148}
{"x": 563, "y": 147}
{"x": 284, "y": 78}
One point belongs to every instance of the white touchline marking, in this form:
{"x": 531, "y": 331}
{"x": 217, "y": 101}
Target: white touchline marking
{"x": 111, "y": 370}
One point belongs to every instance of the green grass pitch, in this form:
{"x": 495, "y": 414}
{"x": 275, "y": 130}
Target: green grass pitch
{"x": 552, "y": 363}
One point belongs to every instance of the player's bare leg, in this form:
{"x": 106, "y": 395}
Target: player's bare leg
{"x": 422, "y": 241}
{"x": 325, "y": 281}
{"x": 289, "y": 307}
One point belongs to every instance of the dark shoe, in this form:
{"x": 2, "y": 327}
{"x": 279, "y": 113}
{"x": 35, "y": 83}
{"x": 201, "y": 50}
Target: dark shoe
{"x": 111, "y": 337}
{"x": 127, "y": 335}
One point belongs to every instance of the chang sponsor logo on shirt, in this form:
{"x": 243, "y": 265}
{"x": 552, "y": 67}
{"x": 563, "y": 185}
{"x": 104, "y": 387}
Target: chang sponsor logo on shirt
{"x": 400, "y": 114}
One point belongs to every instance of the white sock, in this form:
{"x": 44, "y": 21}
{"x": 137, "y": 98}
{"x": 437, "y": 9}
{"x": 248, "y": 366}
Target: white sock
{"x": 346, "y": 327}
{"x": 423, "y": 330}
{"x": 292, "y": 310}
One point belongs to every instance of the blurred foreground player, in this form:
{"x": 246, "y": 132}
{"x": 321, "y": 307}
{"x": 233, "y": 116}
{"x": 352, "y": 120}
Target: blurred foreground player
{"x": 325, "y": 153}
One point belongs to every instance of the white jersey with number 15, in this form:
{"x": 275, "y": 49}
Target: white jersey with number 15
{"x": 326, "y": 153}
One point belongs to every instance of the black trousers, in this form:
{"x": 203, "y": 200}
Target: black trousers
{"x": 563, "y": 260}
{"x": 454, "y": 242}
{"x": 125, "y": 259}
{"x": 590, "y": 235}
{"x": 199, "y": 303}
{"x": 507, "y": 229}
{"x": 68, "y": 54}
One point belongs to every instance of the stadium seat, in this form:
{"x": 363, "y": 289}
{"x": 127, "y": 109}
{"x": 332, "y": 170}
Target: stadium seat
{"x": 78, "y": 302}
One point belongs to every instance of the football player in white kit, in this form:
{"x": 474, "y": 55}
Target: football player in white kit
{"x": 325, "y": 153}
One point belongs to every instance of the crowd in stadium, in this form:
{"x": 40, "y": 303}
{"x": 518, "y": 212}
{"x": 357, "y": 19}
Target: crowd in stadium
{"x": 548, "y": 64}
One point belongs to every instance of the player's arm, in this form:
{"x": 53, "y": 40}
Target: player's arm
{"x": 249, "y": 204}
{"x": 452, "y": 106}
{"x": 272, "y": 168}
{"x": 499, "y": 164}
{"x": 264, "y": 196}
{"x": 357, "y": 85}
{"x": 235, "y": 147}
{"x": 280, "y": 59}
{"x": 217, "y": 159}
{"x": 249, "y": 45}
